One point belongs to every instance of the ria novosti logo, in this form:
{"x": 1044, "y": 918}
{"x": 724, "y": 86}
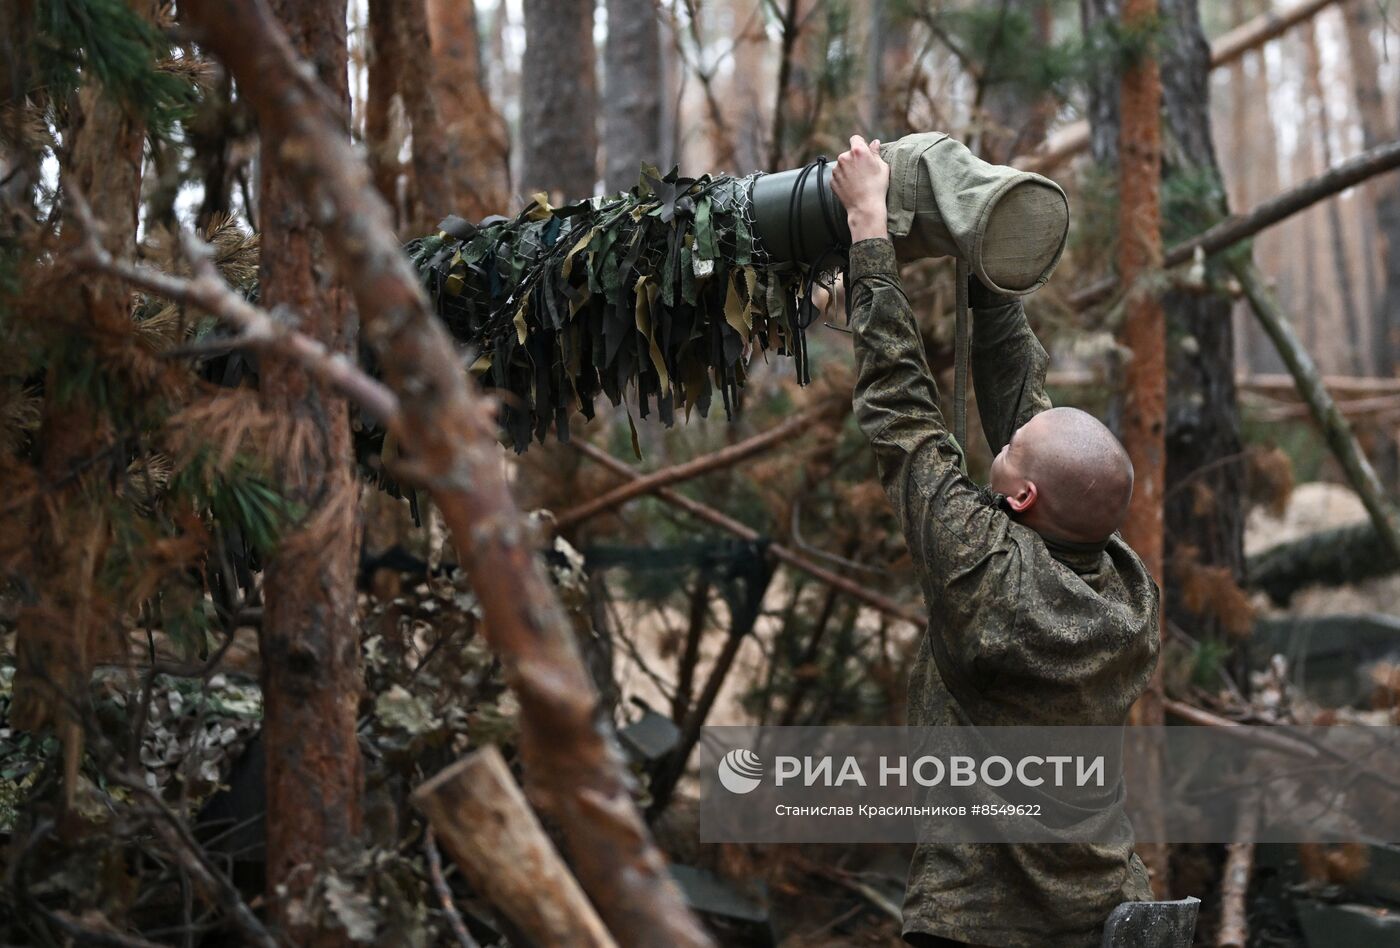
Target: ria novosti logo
{"x": 740, "y": 770}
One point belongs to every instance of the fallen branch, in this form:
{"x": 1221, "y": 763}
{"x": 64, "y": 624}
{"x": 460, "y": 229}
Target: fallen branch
{"x": 1264, "y": 383}
{"x": 494, "y": 837}
{"x": 1234, "y": 885}
{"x": 444, "y": 894}
{"x": 1335, "y": 427}
{"x": 1239, "y": 227}
{"x": 448, "y": 436}
{"x": 1252, "y": 735}
{"x": 725, "y": 457}
{"x": 1074, "y": 138}
{"x": 744, "y": 532}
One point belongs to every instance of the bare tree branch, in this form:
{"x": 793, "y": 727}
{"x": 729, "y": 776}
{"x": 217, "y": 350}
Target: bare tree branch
{"x": 725, "y": 457}
{"x": 744, "y": 532}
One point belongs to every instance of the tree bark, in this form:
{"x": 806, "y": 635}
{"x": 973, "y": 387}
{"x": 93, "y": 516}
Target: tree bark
{"x": 1204, "y": 525}
{"x": 383, "y": 135}
{"x": 448, "y": 435}
{"x": 559, "y": 100}
{"x": 309, "y": 639}
{"x": 478, "y": 143}
{"x": 632, "y": 105}
{"x": 433, "y": 194}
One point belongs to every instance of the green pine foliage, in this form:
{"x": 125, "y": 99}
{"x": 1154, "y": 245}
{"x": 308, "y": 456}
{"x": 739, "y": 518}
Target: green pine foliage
{"x": 122, "y": 51}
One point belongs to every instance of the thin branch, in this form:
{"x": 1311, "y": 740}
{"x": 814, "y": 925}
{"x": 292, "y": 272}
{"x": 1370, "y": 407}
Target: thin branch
{"x": 454, "y": 918}
{"x": 779, "y": 552}
{"x": 725, "y": 457}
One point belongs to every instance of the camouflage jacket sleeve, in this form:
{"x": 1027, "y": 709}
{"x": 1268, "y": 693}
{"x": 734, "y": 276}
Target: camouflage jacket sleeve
{"x": 1008, "y": 365}
{"x": 958, "y": 541}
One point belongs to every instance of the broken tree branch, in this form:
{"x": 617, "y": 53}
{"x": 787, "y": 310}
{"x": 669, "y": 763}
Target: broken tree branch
{"x": 1334, "y": 425}
{"x": 448, "y": 436}
{"x": 1234, "y": 884}
{"x": 1074, "y": 138}
{"x": 490, "y": 831}
{"x": 725, "y": 457}
{"x": 444, "y": 894}
{"x": 1252, "y": 735}
{"x": 1239, "y": 227}
{"x": 744, "y": 532}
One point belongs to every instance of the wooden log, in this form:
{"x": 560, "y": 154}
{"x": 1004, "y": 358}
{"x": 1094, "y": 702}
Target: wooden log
{"x": 744, "y": 532}
{"x": 1335, "y": 428}
{"x": 1234, "y": 884}
{"x": 478, "y": 812}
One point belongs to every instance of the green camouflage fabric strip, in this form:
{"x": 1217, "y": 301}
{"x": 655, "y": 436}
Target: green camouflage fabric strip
{"x": 1017, "y": 634}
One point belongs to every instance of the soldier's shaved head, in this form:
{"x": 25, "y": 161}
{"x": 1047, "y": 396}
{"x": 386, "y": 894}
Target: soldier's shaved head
{"x": 1065, "y": 476}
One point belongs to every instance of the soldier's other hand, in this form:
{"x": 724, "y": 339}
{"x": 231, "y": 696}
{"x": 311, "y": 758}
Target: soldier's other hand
{"x": 860, "y": 181}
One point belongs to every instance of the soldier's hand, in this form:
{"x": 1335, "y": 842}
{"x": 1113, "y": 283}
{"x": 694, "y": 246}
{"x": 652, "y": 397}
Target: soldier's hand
{"x": 860, "y": 181}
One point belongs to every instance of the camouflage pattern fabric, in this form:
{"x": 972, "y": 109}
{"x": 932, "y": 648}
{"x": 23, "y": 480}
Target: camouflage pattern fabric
{"x": 1020, "y": 631}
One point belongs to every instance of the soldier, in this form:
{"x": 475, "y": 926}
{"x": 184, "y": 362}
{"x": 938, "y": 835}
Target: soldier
{"x": 1039, "y": 613}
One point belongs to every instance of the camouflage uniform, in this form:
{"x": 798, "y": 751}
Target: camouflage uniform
{"x": 1022, "y": 630}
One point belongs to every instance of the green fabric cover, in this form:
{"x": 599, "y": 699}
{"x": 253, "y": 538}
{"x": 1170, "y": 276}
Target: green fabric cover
{"x": 1009, "y": 225}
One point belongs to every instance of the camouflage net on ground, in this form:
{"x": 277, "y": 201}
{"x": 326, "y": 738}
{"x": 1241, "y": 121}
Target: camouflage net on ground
{"x": 664, "y": 287}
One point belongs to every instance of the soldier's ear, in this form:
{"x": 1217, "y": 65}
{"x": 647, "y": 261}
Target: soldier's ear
{"x": 1023, "y": 498}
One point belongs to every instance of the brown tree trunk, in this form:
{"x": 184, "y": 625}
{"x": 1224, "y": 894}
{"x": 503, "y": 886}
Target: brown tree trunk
{"x": 56, "y": 632}
{"x": 632, "y": 104}
{"x": 478, "y": 146}
{"x": 559, "y": 100}
{"x": 309, "y": 641}
{"x": 432, "y": 191}
{"x": 383, "y": 134}
{"x": 1128, "y": 132}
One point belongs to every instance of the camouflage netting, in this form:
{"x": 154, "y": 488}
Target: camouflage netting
{"x": 665, "y": 286}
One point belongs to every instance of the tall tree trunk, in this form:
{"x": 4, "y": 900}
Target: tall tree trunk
{"x": 1125, "y": 130}
{"x": 632, "y": 104}
{"x": 1346, "y": 292}
{"x": 56, "y": 632}
{"x": 310, "y": 644}
{"x": 383, "y": 134}
{"x": 478, "y": 145}
{"x": 432, "y": 189}
{"x": 1204, "y": 506}
{"x": 559, "y": 99}
{"x": 1376, "y": 127}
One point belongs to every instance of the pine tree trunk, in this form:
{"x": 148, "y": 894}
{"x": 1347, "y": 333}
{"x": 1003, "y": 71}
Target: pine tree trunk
{"x": 632, "y": 104}
{"x": 383, "y": 135}
{"x": 432, "y": 189}
{"x": 559, "y": 100}
{"x": 1205, "y": 474}
{"x": 310, "y": 643}
{"x": 1125, "y": 131}
{"x": 478, "y": 146}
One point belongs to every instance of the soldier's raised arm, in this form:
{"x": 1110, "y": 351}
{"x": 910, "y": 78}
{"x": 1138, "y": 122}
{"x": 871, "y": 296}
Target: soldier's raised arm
{"x": 1008, "y": 364}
